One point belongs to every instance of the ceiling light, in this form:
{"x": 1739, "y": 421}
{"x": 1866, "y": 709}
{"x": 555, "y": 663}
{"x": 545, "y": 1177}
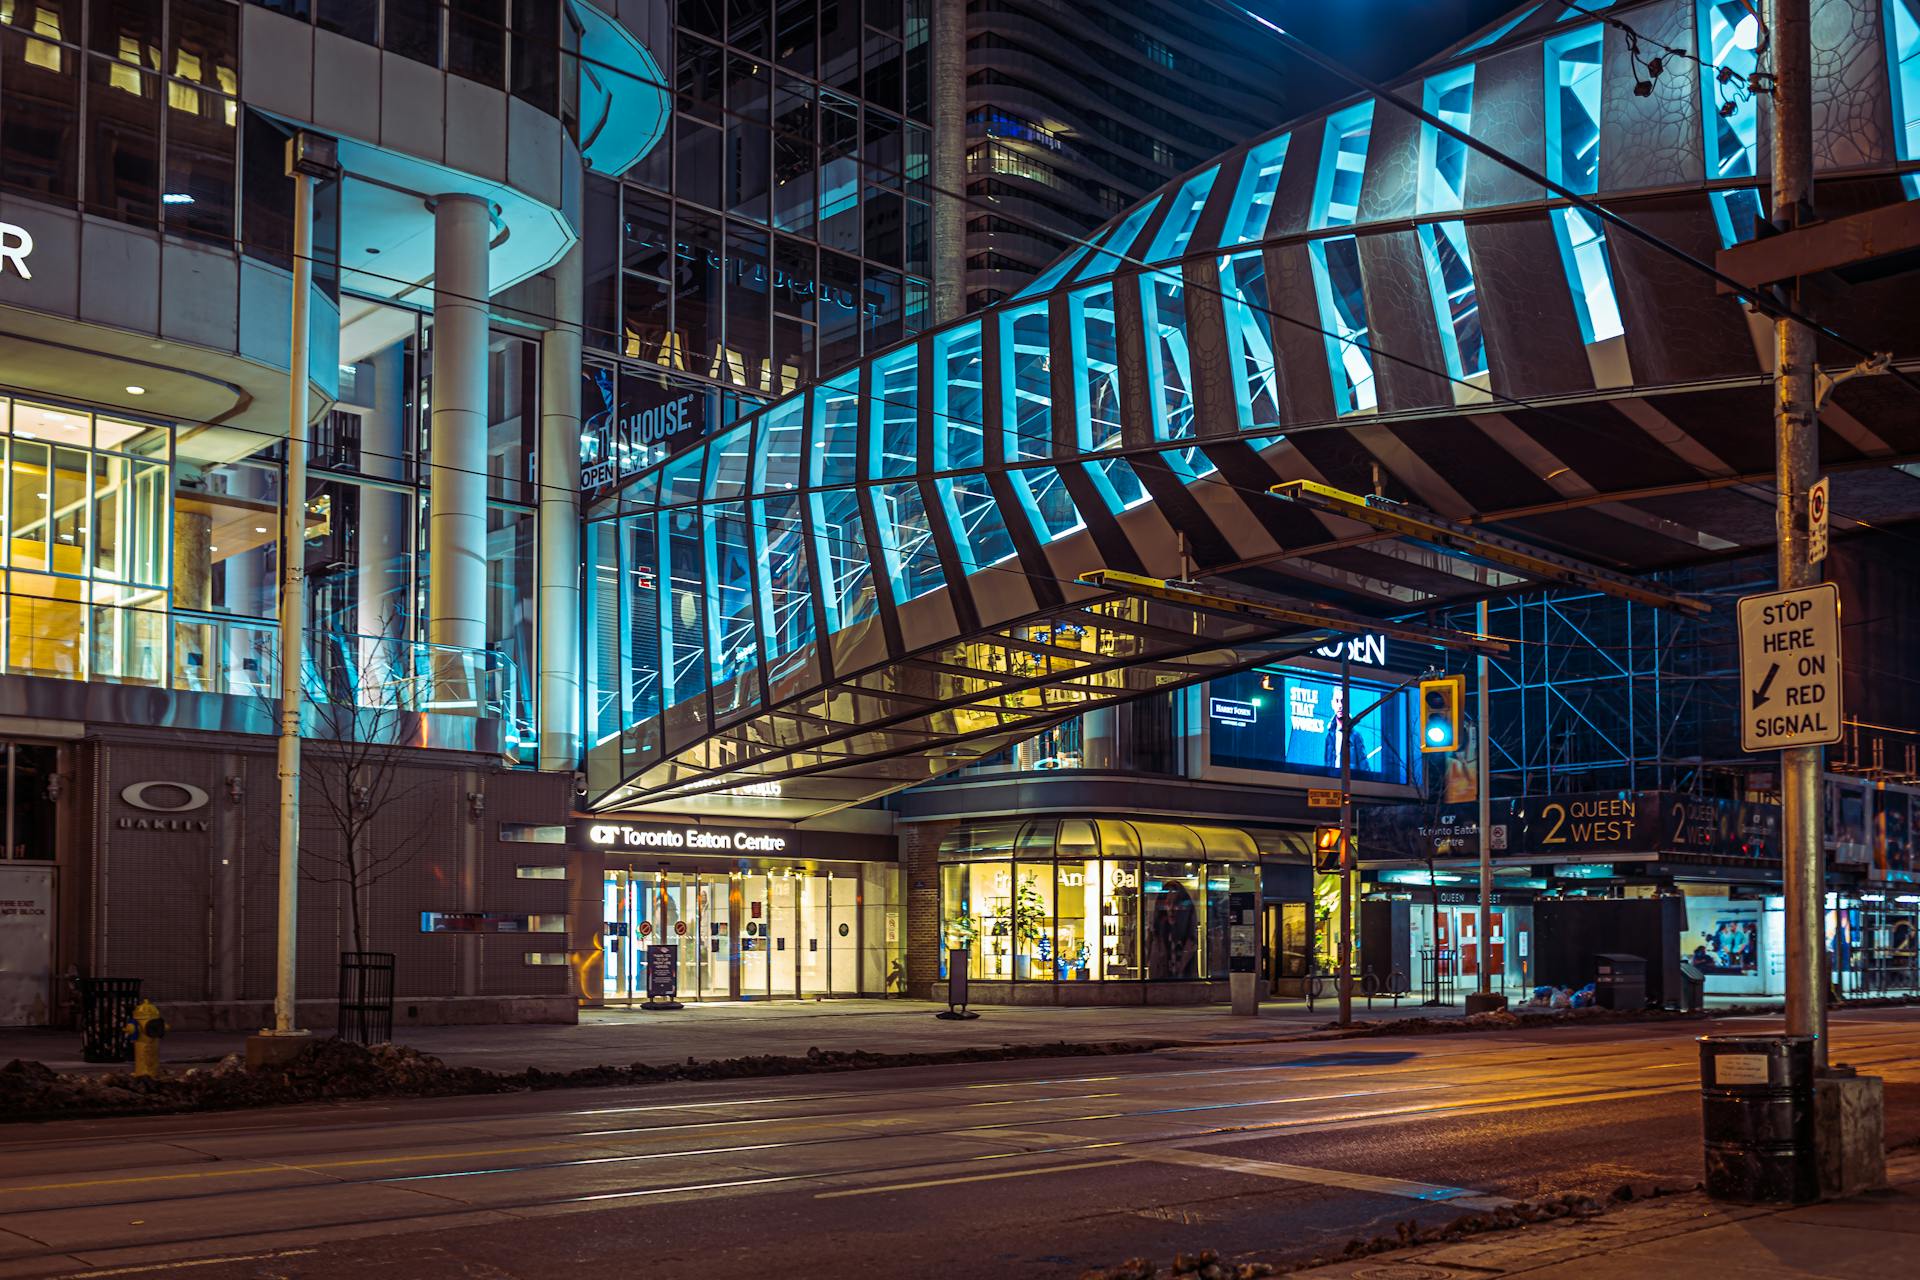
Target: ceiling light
{"x": 175, "y": 197}
{"x": 136, "y": 391}
{"x": 259, "y": 528}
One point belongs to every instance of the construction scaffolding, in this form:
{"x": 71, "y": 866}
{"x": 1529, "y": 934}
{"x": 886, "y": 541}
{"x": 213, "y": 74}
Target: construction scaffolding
{"x": 1601, "y": 694}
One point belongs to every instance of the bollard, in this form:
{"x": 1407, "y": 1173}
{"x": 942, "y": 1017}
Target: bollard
{"x": 146, "y": 1029}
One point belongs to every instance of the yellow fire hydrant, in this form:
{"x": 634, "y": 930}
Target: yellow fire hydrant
{"x": 147, "y": 1028}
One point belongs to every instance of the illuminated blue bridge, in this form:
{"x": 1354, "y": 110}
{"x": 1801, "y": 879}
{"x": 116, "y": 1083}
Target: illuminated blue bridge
{"x": 872, "y": 581}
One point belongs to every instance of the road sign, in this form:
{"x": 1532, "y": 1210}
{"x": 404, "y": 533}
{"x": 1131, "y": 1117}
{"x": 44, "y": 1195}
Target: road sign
{"x": 1790, "y": 668}
{"x": 1321, "y": 798}
{"x": 1817, "y": 516}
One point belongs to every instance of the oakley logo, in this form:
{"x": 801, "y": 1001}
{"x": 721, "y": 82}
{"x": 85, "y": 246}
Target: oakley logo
{"x": 166, "y": 797}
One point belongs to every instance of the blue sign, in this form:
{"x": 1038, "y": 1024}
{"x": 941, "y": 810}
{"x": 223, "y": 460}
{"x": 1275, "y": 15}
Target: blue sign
{"x": 1228, "y": 711}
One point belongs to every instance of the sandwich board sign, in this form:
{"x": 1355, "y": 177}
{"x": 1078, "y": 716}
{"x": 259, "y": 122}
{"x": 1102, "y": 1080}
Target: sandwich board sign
{"x": 1790, "y": 668}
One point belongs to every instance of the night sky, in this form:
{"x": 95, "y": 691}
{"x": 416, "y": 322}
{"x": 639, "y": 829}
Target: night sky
{"x": 1379, "y": 38}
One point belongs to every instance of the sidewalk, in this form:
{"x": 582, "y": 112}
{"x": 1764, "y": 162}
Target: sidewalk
{"x": 618, "y": 1037}
{"x": 621, "y": 1037}
{"x": 1875, "y": 1235}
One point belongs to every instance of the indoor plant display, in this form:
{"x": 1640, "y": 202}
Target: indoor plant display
{"x": 1029, "y": 924}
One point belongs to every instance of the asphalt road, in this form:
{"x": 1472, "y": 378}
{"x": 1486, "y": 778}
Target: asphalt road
{"x": 1010, "y": 1169}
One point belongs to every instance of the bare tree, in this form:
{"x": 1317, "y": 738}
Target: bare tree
{"x": 355, "y": 780}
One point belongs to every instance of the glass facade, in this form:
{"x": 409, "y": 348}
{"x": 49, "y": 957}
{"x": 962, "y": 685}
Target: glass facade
{"x": 767, "y": 933}
{"x": 1092, "y": 899}
{"x": 783, "y": 227}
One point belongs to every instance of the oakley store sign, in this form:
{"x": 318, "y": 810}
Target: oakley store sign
{"x": 642, "y": 837}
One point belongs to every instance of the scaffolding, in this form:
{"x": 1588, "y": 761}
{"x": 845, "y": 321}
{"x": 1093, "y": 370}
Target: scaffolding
{"x": 1601, "y": 694}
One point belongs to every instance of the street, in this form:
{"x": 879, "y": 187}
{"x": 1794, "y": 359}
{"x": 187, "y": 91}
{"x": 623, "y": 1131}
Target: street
{"x": 1040, "y": 1168}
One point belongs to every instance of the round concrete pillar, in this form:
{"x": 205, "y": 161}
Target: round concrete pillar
{"x": 457, "y": 461}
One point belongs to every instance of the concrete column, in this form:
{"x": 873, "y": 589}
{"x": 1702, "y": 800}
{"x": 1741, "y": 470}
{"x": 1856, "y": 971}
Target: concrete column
{"x": 559, "y": 534}
{"x": 949, "y": 81}
{"x": 381, "y": 576}
{"x": 457, "y": 465}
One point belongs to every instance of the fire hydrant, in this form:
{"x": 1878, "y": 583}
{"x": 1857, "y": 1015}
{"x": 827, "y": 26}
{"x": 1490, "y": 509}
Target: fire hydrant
{"x": 147, "y": 1028}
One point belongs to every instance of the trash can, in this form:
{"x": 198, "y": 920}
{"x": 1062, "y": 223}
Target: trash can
{"x": 1756, "y": 1112}
{"x": 106, "y": 1007}
{"x": 1620, "y": 982}
{"x": 1693, "y": 989}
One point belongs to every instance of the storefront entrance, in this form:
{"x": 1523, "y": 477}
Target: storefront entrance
{"x": 740, "y": 935}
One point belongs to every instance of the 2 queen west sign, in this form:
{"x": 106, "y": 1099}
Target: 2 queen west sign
{"x": 1574, "y": 826}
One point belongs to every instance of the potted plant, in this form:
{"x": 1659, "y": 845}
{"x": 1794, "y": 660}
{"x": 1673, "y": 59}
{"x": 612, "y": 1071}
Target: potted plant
{"x": 1028, "y": 925}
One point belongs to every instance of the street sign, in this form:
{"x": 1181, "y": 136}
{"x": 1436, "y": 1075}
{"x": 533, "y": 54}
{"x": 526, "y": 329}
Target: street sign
{"x": 1790, "y": 668}
{"x": 1817, "y": 518}
{"x": 1321, "y": 798}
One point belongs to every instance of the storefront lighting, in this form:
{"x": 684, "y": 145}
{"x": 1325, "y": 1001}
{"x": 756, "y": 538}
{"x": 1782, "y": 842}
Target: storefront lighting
{"x": 176, "y": 197}
{"x": 1907, "y": 897}
{"x": 259, "y": 529}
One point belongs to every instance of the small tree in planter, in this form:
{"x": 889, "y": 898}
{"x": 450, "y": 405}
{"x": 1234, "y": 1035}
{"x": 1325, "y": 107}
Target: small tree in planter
{"x": 1029, "y": 924}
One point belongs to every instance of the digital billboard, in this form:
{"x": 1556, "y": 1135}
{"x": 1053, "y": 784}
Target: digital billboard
{"x": 1283, "y": 720}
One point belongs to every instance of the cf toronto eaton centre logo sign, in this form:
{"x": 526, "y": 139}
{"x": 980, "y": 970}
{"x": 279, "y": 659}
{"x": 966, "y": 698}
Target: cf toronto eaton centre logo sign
{"x": 626, "y": 835}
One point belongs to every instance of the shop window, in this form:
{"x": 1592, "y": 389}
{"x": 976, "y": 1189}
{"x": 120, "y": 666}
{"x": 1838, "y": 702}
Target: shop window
{"x": 1175, "y": 903}
{"x": 30, "y": 805}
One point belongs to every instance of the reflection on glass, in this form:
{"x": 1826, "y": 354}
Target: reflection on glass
{"x": 1174, "y": 898}
{"x": 1033, "y": 921}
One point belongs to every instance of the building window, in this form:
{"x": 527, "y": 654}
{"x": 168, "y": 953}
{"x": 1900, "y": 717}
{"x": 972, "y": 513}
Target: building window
{"x": 1903, "y": 49}
{"x": 1730, "y": 33}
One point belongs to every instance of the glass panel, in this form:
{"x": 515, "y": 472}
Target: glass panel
{"x": 1903, "y": 47}
{"x": 1077, "y": 914}
{"x": 1343, "y": 314}
{"x": 1170, "y": 369}
{"x": 727, "y": 464}
{"x": 895, "y": 441}
{"x": 510, "y": 604}
{"x": 1115, "y": 246}
{"x": 843, "y": 896}
{"x": 786, "y": 585}
{"x": 1456, "y": 300}
{"x": 959, "y": 435}
{"x": 46, "y": 626}
{"x": 129, "y": 646}
{"x": 683, "y": 633}
{"x": 1171, "y": 240}
{"x": 1583, "y": 251}
{"x": 1573, "y": 160}
{"x": 1494, "y": 35}
{"x": 1174, "y": 901}
{"x": 1343, "y": 163}
{"x": 959, "y": 925}
{"x": 815, "y": 936}
{"x": 1253, "y": 198}
{"x": 906, "y": 540}
{"x": 780, "y": 932}
{"x": 1098, "y": 406}
{"x": 39, "y": 108}
{"x": 840, "y": 539}
{"x": 730, "y": 564}
{"x": 1243, "y": 283}
{"x": 638, "y": 601}
{"x": 1120, "y": 921}
{"x": 1443, "y": 158}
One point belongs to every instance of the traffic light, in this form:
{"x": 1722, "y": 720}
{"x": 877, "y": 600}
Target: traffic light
{"x": 1326, "y": 849}
{"x": 1440, "y": 703}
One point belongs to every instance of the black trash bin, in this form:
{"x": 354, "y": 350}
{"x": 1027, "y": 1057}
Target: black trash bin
{"x": 1620, "y": 981}
{"x": 1693, "y": 989}
{"x": 106, "y": 1007}
{"x": 1756, "y": 1111}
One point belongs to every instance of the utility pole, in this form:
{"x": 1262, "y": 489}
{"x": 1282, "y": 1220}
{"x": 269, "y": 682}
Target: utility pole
{"x": 1483, "y": 747}
{"x": 309, "y": 156}
{"x": 1797, "y": 459}
{"x": 1344, "y": 723}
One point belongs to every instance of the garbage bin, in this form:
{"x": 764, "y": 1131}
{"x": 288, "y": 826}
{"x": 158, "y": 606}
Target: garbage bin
{"x": 1693, "y": 989}
{"x": 1621, "y": 981}
{"x": 1756, "y": 1112}
{"x": 106, "y": 1007}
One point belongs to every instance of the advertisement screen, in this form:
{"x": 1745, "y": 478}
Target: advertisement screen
{"x": 1286, "y": 721}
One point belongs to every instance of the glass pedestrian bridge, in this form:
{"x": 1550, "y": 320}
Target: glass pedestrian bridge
{"x": 873, "y": 580}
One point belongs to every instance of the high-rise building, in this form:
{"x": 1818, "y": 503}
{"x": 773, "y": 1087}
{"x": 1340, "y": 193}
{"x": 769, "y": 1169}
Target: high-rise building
{"x": 1070, "y": 112}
